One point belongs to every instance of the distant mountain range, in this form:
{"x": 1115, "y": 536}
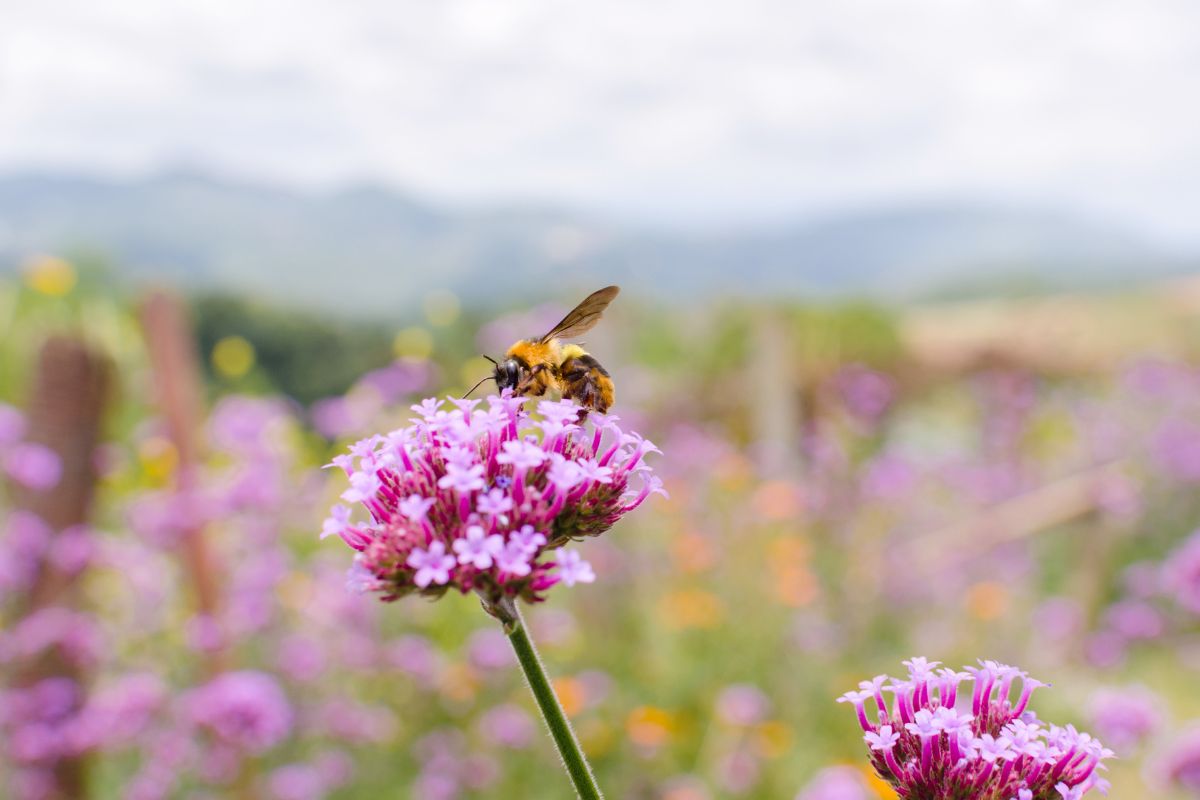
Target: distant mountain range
{"x": 377, "y": 250}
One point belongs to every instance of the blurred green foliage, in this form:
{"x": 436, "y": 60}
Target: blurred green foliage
{"x": 306, "y": 356}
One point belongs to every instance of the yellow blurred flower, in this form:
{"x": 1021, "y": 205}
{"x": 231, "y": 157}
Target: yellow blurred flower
{"x": 441, "y": 308}
{"x": 649, "y": 726}
{"x": 158, "y": 458}
{"x": 773, "y": 738}
{"x": 416, "y": 343}
{"x": 49, "y": 275}
{"x": 233, "y": 357}
{"x": 878, "y": 785}
{"x": 987, "y": 600}
{"x": 691, "y": 608}
{"x": 596, "y": 736}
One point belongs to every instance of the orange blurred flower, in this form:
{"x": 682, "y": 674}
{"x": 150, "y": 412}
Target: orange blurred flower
{"x": 691, "y": 608}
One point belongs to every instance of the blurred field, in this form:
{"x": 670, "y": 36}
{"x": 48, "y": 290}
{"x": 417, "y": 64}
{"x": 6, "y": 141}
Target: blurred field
{"x": 850, "y": 484}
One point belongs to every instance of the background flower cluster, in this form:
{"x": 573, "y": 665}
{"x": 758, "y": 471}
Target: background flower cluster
{"x": 831, "y": 511}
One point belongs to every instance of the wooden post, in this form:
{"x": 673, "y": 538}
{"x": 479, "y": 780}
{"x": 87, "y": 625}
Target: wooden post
{"x": 179, "y": 389}
{"x": 65, "y": 411}
{"x": 775, "y": 432}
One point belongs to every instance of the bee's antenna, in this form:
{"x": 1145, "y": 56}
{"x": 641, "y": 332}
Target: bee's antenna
{"x": 489, "y": 358}
{"x": 476, "y": 386}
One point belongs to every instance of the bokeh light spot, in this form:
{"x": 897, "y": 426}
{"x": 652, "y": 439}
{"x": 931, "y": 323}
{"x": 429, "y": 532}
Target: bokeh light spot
{"x": 233, "y": 357}
{"x": 50, "y": 276}
{"x": 987, "y": 600}
{"x": 415, "y": 343}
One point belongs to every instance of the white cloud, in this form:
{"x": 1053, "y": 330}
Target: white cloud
{"x": 683, "y": 111}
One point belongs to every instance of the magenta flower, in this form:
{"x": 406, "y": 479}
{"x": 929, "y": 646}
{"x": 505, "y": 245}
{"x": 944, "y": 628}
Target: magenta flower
{"x": 927, "y": 748}
{"x": 482, "y": 499}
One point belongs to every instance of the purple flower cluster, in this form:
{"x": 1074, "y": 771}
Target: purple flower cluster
{"x": 1180, "y": 764}
{"x": 246, "y": 709}
{"x": 1126, "y": 716}
{"x": 481, "y": 499}
{"x": 1182, "y": 573}
{"x": 30, "y": 464}
{"x": 929, "y": 749}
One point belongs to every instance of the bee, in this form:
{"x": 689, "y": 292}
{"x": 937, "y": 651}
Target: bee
{"x": 531, "y": 367}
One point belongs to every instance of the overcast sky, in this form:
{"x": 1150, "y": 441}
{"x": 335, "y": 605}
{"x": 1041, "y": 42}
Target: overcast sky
{"x": 696, "y": 112}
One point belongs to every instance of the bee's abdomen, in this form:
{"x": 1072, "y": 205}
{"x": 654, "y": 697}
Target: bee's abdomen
{"x": 587, "y": 381}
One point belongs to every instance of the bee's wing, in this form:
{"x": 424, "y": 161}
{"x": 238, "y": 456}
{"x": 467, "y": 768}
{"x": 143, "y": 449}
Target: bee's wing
{"x": 584, "y": 316}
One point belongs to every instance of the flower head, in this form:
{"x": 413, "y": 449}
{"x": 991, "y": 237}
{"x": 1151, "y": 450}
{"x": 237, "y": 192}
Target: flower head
{"x": 481, "y": 499}
{"x": 928, "y": 747}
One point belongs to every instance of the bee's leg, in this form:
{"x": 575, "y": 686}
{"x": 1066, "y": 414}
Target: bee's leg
{"x": 585, "y": 380}
{"x": 533, "y": 384}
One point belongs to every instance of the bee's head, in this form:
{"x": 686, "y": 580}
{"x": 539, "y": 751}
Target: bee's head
{"x": 508, "y": 374}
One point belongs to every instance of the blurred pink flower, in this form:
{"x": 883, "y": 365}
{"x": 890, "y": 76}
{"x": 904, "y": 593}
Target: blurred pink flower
{"x": 1135, "y": 619}
{"x": 742, "y": 704}
{"x": 117, "y": 713}
{"x": 836, "y": 783}
{"x": 1179, "y": 762}
{"x": 246, "y": 709}
{"x": 33, "y": 465}
{"x": 12, "y": 425}
{"x": 1125, "y": 717}
{"x": 866, "y": 393}
{"x": 508, "y": 725}
{"x": 1177, "y": 448}
{"x": 1181, "y": 572}
{"x": 296, "y": 782}
{"x": 488, "y": 649}
{"x": 1105, "y": 648}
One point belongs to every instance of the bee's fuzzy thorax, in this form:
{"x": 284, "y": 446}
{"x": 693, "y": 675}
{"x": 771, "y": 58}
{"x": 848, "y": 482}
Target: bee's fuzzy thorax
{"x": 570, "y": 351}
{"x": 534, "y": 353}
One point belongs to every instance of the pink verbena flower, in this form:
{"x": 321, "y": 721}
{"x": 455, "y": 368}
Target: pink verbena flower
{"x": 928, "y": 748}
{"x": 480, "y": 498}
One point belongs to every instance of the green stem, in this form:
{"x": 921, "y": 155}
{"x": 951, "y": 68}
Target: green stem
{"x": 569, "y": 750}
